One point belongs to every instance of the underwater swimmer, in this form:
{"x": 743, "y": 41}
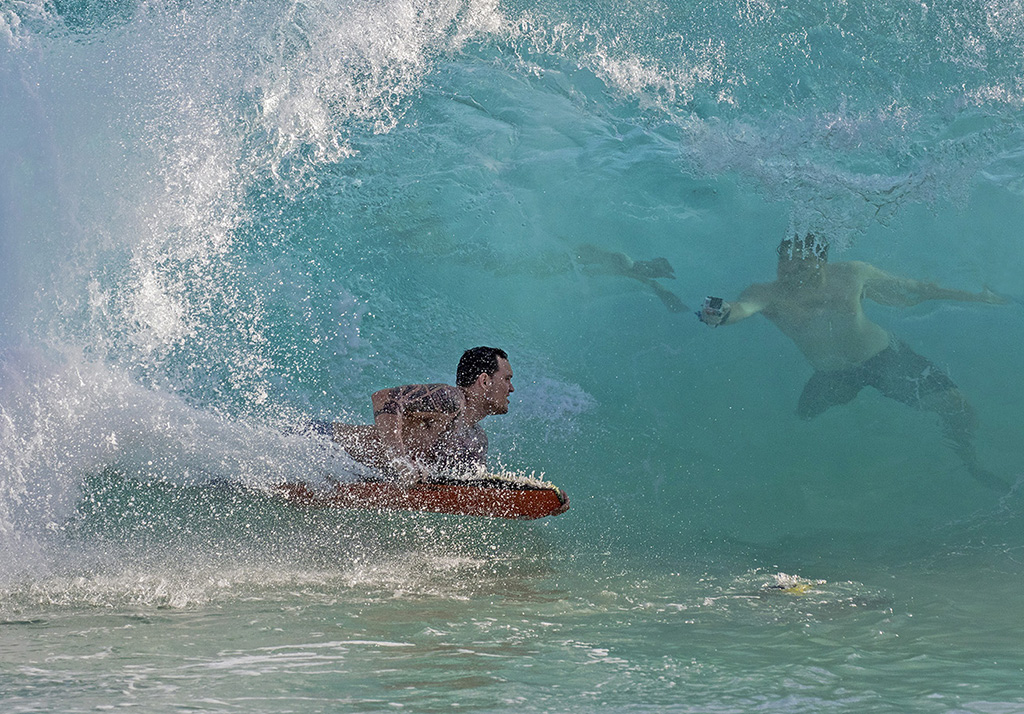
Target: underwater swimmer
{"x": 818, "y": 305}
{"x": 422, "y": 429}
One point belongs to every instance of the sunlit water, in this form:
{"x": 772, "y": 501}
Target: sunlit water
{"x": 219, "y": 220}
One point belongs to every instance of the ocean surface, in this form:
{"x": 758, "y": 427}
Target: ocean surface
{"x": 221, "y": 219}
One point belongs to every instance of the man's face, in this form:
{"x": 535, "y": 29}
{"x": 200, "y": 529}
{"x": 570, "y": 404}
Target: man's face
{"x": 497, "y": 387}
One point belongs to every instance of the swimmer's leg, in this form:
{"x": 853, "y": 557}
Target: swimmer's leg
{"x": 655, "y": 268}
{"x": 827, "y": 389}
{"x": 958, "y": 426}
{"x": 604, "y": 260}
{"x": 916, "y": 381}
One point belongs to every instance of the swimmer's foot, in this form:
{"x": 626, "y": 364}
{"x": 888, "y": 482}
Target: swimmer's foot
{"x": 669, "y": 298}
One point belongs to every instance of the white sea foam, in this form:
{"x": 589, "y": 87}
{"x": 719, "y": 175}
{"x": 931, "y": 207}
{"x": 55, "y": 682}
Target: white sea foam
{"x": 63, "y": 420}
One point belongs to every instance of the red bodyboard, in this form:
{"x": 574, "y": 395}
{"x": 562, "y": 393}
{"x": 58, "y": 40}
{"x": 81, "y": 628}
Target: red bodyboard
{"x": 491, "y": 497}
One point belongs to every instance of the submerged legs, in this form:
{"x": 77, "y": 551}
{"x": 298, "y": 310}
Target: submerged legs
{"x": 958, "y": 425}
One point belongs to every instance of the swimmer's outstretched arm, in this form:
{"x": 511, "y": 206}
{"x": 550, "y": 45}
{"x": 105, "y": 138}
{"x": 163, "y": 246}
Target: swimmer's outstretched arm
{"x": 896, "y": 291}
{"x": 750, "y": 302}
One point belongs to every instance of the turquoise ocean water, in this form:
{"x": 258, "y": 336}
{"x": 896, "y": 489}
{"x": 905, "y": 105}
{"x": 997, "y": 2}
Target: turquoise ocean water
{"x": 220, "y": 219}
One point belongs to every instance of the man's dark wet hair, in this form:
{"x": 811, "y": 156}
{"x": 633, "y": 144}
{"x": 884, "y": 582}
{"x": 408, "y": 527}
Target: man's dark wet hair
{"x": 797, "y": 248}
{"x": 477, "y": 361}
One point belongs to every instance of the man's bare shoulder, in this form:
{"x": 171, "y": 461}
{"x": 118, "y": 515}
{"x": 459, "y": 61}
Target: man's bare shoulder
{"x": 852, "y": 267}
{"x": 424, "y": 398}
{"x": 760, "y": 292}
{"x": 854, "y": 271}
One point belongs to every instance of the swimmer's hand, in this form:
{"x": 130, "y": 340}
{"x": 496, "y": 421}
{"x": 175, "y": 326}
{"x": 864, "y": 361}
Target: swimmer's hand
{"x": 714, "y": 312}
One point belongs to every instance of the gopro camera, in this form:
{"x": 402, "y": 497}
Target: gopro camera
{"x": 712, "y": 313}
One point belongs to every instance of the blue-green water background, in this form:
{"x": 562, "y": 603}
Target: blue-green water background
{"x": 219, "y": 219}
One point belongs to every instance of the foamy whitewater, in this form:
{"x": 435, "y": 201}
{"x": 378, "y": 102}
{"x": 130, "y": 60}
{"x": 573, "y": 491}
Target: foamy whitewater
{"x": 219, "y": 220}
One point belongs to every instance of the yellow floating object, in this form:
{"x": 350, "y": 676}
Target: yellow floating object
{"x": 799, "y": 589}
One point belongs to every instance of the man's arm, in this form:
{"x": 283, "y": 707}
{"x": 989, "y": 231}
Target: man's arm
{"x": 896, "y": 291}
{"x": 393, "y": 408}
{"x": 717, "y": 312}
